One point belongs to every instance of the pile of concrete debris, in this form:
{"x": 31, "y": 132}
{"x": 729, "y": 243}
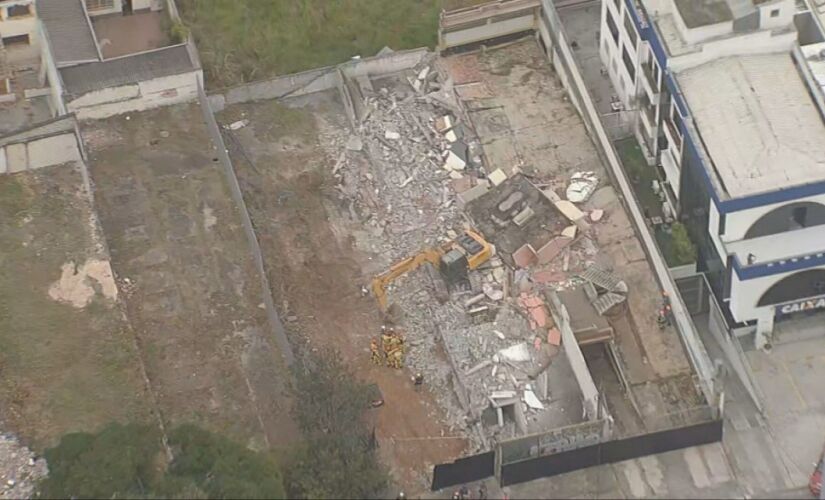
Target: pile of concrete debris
{"x": 495, "y": 358}
{"x": 396, "y": 171}
{"x": 20, "y": 469}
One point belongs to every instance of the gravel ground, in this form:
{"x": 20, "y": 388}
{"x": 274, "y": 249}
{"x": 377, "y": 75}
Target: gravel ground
{"x": 20, "y": 469}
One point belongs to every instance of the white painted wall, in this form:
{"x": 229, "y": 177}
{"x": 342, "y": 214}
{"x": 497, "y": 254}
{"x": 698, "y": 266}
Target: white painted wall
{"x": 757, "y": 42}
{"x": 49, "y": 70}
{"x": 39, "y": 153}
{"x": 611, "y": 54}
{"x": 117, "y": 6}
{"x": 21, "y": 26}
{"x": 488, "y": 31}
{"x": 738, "y": 223}
{"x": 141, "y": 4}
{"x": 150, "y": 94}
{"x": 746, "y": 294}
{"x": 702, "y": 33}
{"x": 786, "y": 9}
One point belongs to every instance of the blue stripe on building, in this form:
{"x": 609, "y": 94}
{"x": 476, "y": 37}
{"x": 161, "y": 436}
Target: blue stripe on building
{"x": 776, "y": 267}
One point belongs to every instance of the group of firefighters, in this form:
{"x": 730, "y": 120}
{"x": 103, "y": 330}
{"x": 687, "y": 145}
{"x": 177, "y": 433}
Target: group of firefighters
{"x": 391, "y": 351}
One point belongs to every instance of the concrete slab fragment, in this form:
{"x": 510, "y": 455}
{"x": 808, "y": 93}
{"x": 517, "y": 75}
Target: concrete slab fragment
{"x": 552, "y": 249}
{"x": 473, "y": 193}
{"x": 569, "y": 210}
{"x": 548, "y": 277}
{"x": 497, "y": 177}
{"x": 524, "y": 256}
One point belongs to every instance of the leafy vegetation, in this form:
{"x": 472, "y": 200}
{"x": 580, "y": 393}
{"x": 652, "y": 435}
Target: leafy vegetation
{"x": 337, "y": 458}
{"x": 129, "y": 461}
{"x": 682, "y": 248}
{"x": 244, "y": 40}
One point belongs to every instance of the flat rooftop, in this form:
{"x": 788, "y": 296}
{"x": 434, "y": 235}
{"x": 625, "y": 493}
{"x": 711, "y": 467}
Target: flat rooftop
{"x": 758, "y": 123}
{"x": 696, "y": 13}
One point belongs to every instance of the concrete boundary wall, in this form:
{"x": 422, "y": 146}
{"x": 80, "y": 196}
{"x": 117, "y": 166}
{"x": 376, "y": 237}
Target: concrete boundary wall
{"x": 590, "y": 394}
{"x": 138, "y": 96}
{"x": 488, "y": 21}
{"x": 275, "y": 324}
{"x": 564, "y": 63}
{"x": 51, "y": 143}
{"x": 316, "y": 80}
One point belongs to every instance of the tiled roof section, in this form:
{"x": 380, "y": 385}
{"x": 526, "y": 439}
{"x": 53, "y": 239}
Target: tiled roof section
{"x": 71, "y": 36}
{"x": 78, "y": 80}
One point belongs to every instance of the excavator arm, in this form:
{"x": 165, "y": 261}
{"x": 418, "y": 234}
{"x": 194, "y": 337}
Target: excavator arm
{"x": 380, "y": 282}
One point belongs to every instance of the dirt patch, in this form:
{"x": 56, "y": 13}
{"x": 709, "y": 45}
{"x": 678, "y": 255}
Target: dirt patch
{"x": 77, "y": 284}
{"x": 62, "y": 368}
{"x": 193, "y": 296}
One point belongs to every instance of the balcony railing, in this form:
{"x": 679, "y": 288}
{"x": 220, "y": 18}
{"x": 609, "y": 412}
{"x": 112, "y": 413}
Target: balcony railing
{"x": 647, "y": 69}
{"x": 675, "y": 137}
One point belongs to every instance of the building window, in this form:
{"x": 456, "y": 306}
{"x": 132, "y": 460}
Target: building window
{"x": 628, "y": 64}
{"x": 18, "y": 11}
{"x": 775, "y": 13}
{"x": 16, "y": 40}
{"x": 92, "y": 5}
{"x": 630, "y": 29}
{"x": 611, "y": 25}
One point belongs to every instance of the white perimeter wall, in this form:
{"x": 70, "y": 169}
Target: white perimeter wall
{"x": 163, "y": 91}
{"x": 39, "y": 153}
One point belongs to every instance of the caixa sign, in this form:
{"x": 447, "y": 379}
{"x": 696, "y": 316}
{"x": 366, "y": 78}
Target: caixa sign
{"x": 802, "y": 305}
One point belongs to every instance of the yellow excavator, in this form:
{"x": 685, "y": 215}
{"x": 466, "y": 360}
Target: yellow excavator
{"x": 453, "y": 259}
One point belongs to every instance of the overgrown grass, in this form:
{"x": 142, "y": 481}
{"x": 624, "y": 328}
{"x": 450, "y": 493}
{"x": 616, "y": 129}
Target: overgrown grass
{"x": 244, "y": 40}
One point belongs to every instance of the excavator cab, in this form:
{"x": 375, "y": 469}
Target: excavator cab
{"x": 466, "y": 252}
{"x": 453, "y": 260}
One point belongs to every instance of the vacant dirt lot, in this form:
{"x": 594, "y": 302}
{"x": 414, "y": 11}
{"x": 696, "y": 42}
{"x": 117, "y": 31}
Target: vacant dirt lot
{"x": 185, "y": 273}
{"x": 284, "y": 160}
{"x": 67, "y": 361}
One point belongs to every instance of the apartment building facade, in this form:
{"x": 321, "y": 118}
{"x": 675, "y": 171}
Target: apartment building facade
{"x": 730, "y": 111}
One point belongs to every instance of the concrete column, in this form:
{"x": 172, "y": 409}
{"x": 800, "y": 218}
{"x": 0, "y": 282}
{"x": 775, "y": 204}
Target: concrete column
{"x": 764, "y": 327}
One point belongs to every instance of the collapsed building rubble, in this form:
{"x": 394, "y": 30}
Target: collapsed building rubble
{"x": 415, "y": 175}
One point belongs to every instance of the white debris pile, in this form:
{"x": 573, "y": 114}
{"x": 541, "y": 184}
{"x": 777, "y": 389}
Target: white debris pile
{"x": 395, "y": 173}
{"x": 491, "y": 357}
{"x": 20, "y": 469}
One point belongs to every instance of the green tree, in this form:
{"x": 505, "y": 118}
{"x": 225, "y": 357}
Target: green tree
{"x": 129, "y": 461}
{"x": 117, "y": 461}
{"x": 223, "y": 468}
{"x": 684, "y": 251}
{"x": 337, "y": 458}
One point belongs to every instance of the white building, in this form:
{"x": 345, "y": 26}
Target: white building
{"x": 731, "y": 112}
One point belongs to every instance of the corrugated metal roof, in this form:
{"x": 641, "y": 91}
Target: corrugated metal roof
{"x": 71, "y": 36}
{"x": 78, "y": 80}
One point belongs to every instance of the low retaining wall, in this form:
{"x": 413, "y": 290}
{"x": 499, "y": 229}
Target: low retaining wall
{"x": 138, "y": 96}
{"x": 275, "y": 324}
{"x": 317, "y": 80}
